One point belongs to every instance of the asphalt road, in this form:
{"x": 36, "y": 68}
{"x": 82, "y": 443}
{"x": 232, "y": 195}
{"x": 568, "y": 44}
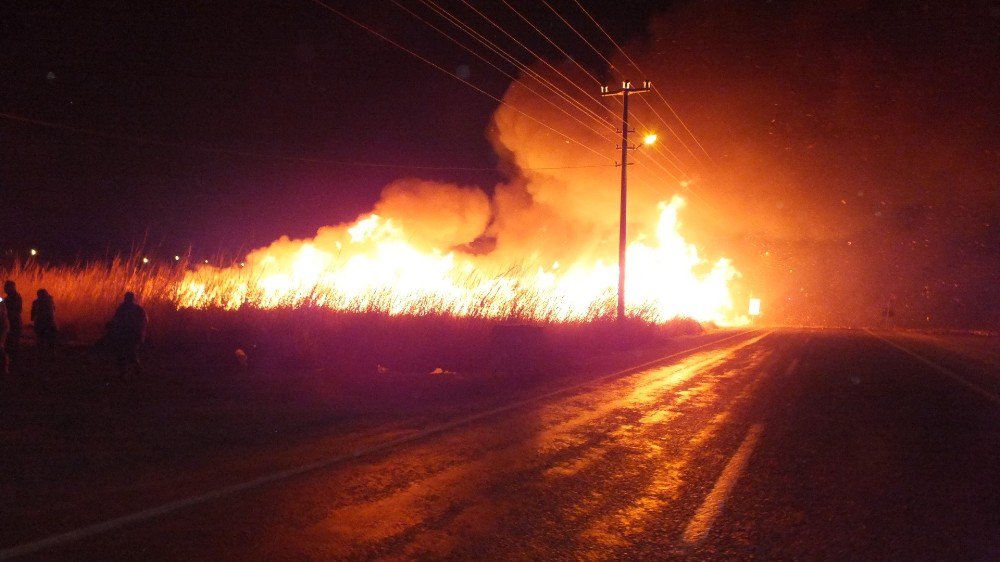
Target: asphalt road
{"x": 792, "y": 445}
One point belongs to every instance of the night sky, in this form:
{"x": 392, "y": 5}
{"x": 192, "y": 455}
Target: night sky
{"x": 852, "y": 148}
{"x": 280, "y": 78}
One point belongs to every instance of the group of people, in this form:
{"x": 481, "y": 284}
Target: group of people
{"x": 43, "y": 318}
{"x": 124, "y": 333}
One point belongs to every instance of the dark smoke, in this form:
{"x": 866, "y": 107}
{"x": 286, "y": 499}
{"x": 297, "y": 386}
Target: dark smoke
{"x": 855, "y": 148}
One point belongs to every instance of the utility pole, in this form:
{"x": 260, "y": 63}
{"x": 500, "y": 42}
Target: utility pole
{"x": 626, "y": 89}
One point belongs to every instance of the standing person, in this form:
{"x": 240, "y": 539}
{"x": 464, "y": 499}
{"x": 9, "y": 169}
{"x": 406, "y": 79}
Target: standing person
{"x": 43, "y": 314}
{"x": 14, "y": 305}
{"x": 4, "y": 329}
{"x": 126, "y": 332}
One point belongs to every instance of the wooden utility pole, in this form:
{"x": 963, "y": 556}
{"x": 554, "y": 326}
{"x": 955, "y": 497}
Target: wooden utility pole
{"x": 626, "y": 89}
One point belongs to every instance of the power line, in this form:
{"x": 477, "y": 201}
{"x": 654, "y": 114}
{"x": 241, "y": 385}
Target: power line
{"x": 674, "y": 133}
{"x": 510, "y": 58}
{"x": 610, "y": 64}
{"x": 468, "y": 30}
{"x": 572, "y": 28}
{"x": 676, "y": 161}
{"x": 510, "y": 76}
{"x": 531, "y": 73}
{"x": 246, "y": 153}
{"x": 254, "y": 154}
{"x": 443, "y": 70}
{"x": 636, "y": 66}
{"x": 454, "y": 20}
{"x": 458, "y": 23}
{"x": 530, "y": 51}
{"x": 551, "y": 42}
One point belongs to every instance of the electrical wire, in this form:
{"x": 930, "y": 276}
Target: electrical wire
{"x": 551, "y": 42}
{"x": 456, "y": 21}
{"x": 503, "y": 72}
{"x": 612, "y": 66}
{"x": 510, "y": 58}
{"x": 443, "y": 70}
{"x": 530, "y": 51}
{"x": 636, "y": 66}
{"x": 471, "y": 32}
{"x": 254, "y": 154}
{"x": 673, "y": 159}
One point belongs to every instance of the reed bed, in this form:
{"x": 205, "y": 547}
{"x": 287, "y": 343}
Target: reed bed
{"x": 311, "y": 333}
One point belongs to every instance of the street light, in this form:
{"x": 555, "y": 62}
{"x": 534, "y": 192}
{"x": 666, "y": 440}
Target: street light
{"x": 649, "y": 139}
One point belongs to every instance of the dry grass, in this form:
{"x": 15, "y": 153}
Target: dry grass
{"x": 86, "y": 294}
{"x": 311, "y": 335}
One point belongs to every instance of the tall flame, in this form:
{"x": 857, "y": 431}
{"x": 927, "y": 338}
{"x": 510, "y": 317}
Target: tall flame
{"x": 373, "y": 265}
{"x": 551, "y": 231}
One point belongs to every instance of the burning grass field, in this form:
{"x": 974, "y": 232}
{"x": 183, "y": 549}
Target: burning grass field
{"x": 403, "y": 296}
{"x": 309, "y": 334}
{"x": 72, "y": 435}
{"x": 303, "y": 361}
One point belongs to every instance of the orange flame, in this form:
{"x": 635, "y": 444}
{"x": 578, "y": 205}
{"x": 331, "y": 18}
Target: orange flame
{"x": 371, "y": 265}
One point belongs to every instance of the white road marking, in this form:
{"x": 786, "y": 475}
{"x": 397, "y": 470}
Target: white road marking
{"x": 710, "y": 509}
{"x": 147, "y": 514}
{"x": 944, "y": 370}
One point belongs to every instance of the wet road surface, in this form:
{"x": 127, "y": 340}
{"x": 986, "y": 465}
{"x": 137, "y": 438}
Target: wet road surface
{"x": 820, "y": 445}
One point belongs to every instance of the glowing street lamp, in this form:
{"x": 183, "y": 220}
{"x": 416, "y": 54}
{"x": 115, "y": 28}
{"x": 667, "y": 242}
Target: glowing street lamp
{"x": 33, "y": 252}
{"x": 649, "y": 139}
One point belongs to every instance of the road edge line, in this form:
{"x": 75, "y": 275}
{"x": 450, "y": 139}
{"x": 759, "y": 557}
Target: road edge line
{"x": 944, "y": 370}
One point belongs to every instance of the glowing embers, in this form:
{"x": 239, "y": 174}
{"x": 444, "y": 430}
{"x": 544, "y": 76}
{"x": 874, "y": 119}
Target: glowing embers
{"x": 370, "y": 265}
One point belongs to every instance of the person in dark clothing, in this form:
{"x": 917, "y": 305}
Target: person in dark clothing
{"x": 12, "y": 301}
{"x": 4, "y": 329}
{"x": 126, "y": 332}
{"x": 43, "y": 315}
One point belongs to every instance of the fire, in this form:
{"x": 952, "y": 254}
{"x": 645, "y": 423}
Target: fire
{"x": 541, "y": 245}
{"x": 374, "y": 264}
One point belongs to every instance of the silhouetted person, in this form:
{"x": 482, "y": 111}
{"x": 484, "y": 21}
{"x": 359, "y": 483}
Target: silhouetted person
{"x": 4, "y": 330}
{"x": 14, "y": 305}
{"x": 126, "y": 332}
{"x": 43, "y": 315}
